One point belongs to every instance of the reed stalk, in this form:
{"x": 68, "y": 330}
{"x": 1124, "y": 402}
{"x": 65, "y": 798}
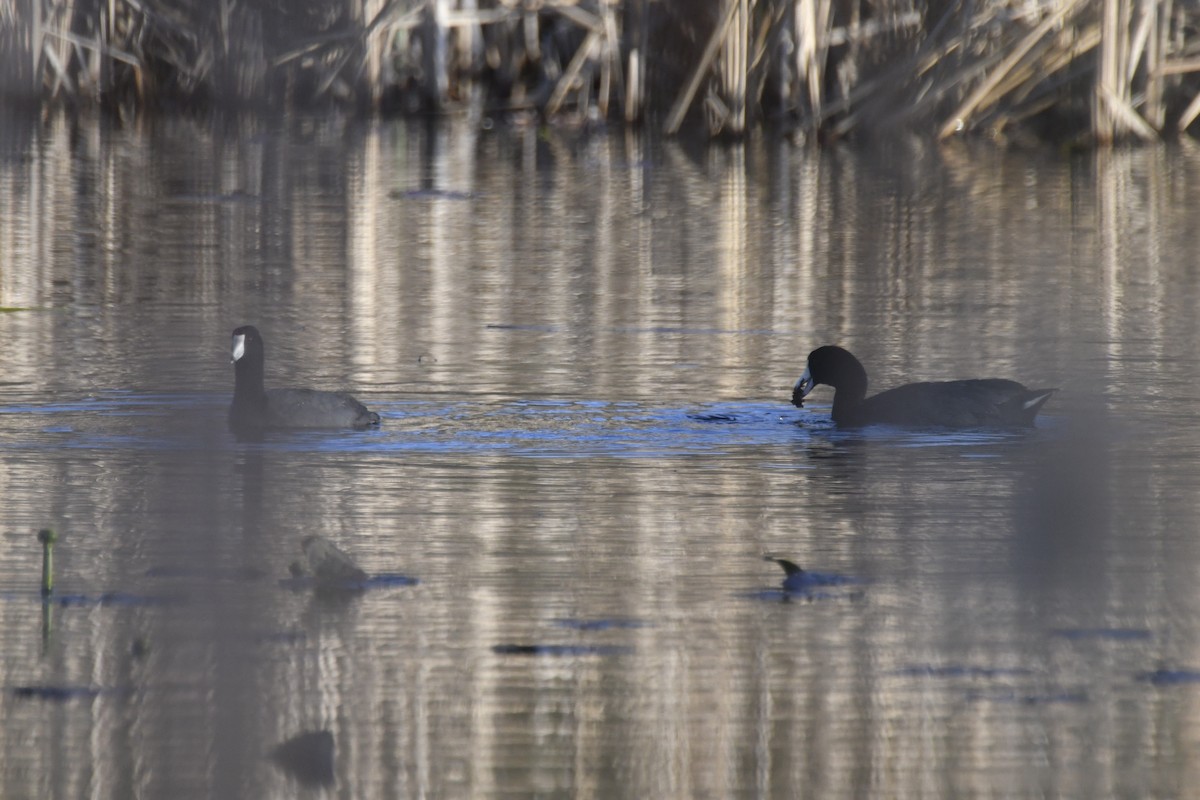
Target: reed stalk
{"x": 1099, "y": 69}
{"x": 700, "y": 73}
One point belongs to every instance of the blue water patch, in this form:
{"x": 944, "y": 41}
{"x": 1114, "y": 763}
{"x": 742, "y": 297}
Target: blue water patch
{"x": 536, "y": 428}
{"x": 114, "y": 403}
{"x": 1112, "y": 634}
{"x": 589, "y": 625}
{"x": 387, "y": 581}
{"x": 305, "y": 583}
{"x": 814, "y": 595}
{"x": 721, "y": 418}
{"x": 114, "y": 421}
{"x": 953, "y": 438}
{"x": 81, "y": 600}
{"x": 1013, "y": 697}
{"x": 807, "y": 581}
{"x": 111, "y": 599}
{"x": 565, "y": 429}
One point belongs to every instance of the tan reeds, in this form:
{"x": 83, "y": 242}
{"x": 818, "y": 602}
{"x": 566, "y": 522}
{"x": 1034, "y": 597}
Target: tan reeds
{"x": 1098, "y": 69}
{"x": 596, "y": 45}
{"x": 814, "y": 20}
{"x": 997, "y": 83}
{"x": 1130, "y": 40}
{"x": 715, "y": 42}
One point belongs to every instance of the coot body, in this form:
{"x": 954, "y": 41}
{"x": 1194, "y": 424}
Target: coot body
{"x": 977, "y": 403}
{"x": 257, "y": 408}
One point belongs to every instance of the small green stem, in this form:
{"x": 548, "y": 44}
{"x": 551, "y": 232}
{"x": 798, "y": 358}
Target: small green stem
{"x": 47, "y": 537}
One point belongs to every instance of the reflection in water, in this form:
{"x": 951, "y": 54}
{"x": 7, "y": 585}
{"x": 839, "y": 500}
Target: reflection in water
{"x": 582, "y": 352}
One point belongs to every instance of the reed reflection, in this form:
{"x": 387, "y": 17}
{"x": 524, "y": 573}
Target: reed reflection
{"x": 582, "y": 350}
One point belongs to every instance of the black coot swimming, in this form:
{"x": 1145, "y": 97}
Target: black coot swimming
{"x": 257, "y": 408}
{"x": 979, "y": 403}
{"x": 796, "y": 579}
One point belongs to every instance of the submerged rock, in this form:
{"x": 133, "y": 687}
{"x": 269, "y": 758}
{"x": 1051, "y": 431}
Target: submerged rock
{"x": 308, "y": 757}
{"x": 329, "y": 566}
{"x": 329, "y": 571}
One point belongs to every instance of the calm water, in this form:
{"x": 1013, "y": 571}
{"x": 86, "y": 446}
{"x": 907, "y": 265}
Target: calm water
{"x": 583, "y": 349}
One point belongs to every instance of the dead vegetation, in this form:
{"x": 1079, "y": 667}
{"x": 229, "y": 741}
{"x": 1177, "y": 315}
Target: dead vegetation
{"x": 1068, "y": 70}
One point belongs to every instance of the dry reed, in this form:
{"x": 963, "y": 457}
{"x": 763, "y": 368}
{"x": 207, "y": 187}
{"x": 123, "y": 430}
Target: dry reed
{"x": 1076, "y": 70}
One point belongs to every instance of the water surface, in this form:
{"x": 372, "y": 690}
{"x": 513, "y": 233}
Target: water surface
{"x": 582, "y": 349}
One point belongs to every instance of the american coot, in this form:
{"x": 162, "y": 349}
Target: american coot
{"x": 796, "y": 579}
{"x": 256, "y": 408}
{"x": 981, "y": 403}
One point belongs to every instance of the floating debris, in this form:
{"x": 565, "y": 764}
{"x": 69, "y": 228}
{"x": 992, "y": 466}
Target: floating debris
{"x": 1169, "y": 677}
{"x": 57, "y": 694}
{"x": 329, "y": 569}
{"x": 62, "y": 694}
{"x": 560, "y": 650}
{"x": 139, "y": 648}
{"x": 308, "y": 757}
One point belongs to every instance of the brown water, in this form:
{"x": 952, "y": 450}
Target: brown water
{"x": 583, "y": 349}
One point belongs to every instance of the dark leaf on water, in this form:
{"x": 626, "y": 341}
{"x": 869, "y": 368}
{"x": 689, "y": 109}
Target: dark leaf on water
{"x": 1169, "y": 677}
{"x": 55, "y": 693}
{"x": 560, "y": 650}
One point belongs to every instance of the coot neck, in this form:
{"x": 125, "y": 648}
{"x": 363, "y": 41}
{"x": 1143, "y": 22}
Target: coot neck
{"x": 248, "y": 385}
{"x": 849, "y": 394}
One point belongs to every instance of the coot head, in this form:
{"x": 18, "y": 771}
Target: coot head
{"x": 833, "y": 366}
{"x": 247, "y": 344}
